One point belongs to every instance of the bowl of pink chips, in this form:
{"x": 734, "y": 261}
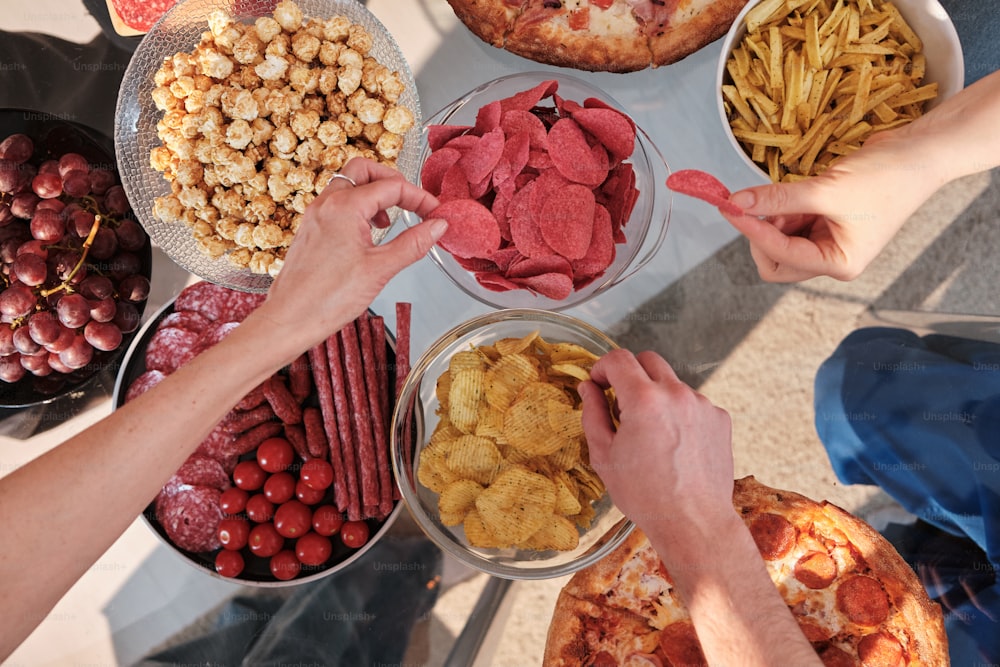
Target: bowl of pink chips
{"x": 552, "y": 193}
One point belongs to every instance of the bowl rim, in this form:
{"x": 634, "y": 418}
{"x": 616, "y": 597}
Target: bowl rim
{"x": 136, "y": 349}
{"x": 655, "y": 230}
{"x": 409, "y": 394}
{"x": 955, "y": 77}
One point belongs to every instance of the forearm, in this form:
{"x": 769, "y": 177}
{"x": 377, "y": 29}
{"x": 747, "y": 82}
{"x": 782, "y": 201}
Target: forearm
{"x": 736, "y": 609}
{"x": 112, "y": 471}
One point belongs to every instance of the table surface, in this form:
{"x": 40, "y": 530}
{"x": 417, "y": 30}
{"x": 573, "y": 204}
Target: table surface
{"x": 139, "y": 592}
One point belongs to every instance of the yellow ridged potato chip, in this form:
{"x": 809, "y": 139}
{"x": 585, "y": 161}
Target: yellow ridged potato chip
{"x": 567, "y": 495}
{"x": 515, "y": 345}
{"x": 489, "y": 423}
{"x": 474, "y": 457}
{"x": 557, "y": 532}
{"x": 569, "y": 455}
{"x": 432, "y": 470}
{"x": 590, "y": 484}
{"x": 456, "y": 500}
{"x": 478, "y": 535}
{"x": 565, "y": 420}
{"x": 507, "y": 377}
{"x": 466, "y": 392}
{"x": 578, "y": 372}
{"x": 516, "y": 504}
{"x": 467, "y": 359}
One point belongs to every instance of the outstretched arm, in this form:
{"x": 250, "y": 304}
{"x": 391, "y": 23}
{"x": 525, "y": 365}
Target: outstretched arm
{"x": 669, "y": 468}
{"x": 107, "y": 474}
{"x": 836, "y": 223}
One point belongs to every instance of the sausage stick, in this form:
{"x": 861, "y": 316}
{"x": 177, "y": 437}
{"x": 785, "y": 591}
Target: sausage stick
{"x": 379, "y": 427}
{"x": 324, "y": 390}
{"x": 344, "y": 417}
{"x": 361, "y": 419}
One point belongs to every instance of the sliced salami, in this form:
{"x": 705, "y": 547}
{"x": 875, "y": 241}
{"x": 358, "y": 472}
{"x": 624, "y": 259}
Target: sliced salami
{"x": 218, "y": 303}
{"x": 203, "y": 470}
{"x": 185, "y": 319}
{"x": 143, "y": 383}
{"x": 190, "y": 516}
{"x": 211, "y": 336}
{"x": 169, "y": 348}
{"x": 141, "y": 15}
{"x": 218, "y": 444}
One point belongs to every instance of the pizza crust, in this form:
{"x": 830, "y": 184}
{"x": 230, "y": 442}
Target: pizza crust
{"x": 489, "y": 20}
{"x": 695, "y": 31}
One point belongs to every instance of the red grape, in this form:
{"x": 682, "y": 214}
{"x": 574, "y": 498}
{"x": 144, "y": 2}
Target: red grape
{"x": 30, "y": 269}
{"x": 17, "y": 301}
{"x": 49, "y": 167}
{"x": 97, "y": 287}
{"x": 103, "y": 336}
{"x": 46, "y": 225}
{"x": 24, "y": 343}
{"x": 34, "y": 247}
{"x": 44, "y": 327}
{"x": 6, "y": 216}
{"x": 115, "y": 201}
{"x": 23, "y": 205}
{"x": 127, "y": 317}
{"x": 104, "y": 245}
{"x": 56, "y": 205}
{"x": 65, "y": 339}
{"x": 64, "y": 262}
{"x": 11, "y": 369}
{"x": 103, "y": 310}
{"x": 73, "y": 161}
{"x": 37, "y": 365}
{"x": 10, "y": 176}
{"x": 17, "y": 148}
{"x": 131, "y": 236}
{"x": 47, "y": 184}
{"x": 73, "y": 310}
{"x": 80, "y": 222}
{"x": 76, "y": 183}
{"x": 56, "y": 363}
{"x": 77, "y": 355}
{"x": 101, "y": 180}
{"x": 124, "y": 264}
{"x": 6, "y": 341}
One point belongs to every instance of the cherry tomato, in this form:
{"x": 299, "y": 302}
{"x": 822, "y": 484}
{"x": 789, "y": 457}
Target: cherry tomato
{"x": 292, "y": 519}
{"x": 233, "y": 533}
{"x": 248, "y": 475}
{"x": 313, "y": 549}
{"x": 280, "y": 487}
{"x": 229, "y": 563}
{"x": 264, "y": 540}
{"x": 307, "y": 495}
{"x": 233, "y": 500}
{"x": 317, "y": 474}
{"x": 354, "y": 533}
{"x": 275, "y": 454}
{"x": 259, "y": 508}
{"x": 284, "y": 565}
{"x": 327, "y": 520}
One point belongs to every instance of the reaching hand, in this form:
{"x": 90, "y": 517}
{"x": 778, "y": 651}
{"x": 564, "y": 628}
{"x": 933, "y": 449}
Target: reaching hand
{"x": 670, "y": 460}
{"x": 333, "y": 271}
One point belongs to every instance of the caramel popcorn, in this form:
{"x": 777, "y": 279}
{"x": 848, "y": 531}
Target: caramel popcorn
{"x": 258, "y": 117}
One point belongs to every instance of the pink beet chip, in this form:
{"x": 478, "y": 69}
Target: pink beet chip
{"x": 472, "y": 229}
{"x": 573, "y": 156}
{"x": 534, "y": 266}
{"x": 435, "y": 167}
{"x": 567, "y": 220}
{"x": 556, "y": 286}
{"x": 523, "y": 227}
{"x": 704, "y": 186}
{"x": 602, "y": 247}
{"x": 488, "y": 118}
{"x": 439, "y": 135}
{"x": 526, "y": 99}
{"x": 609, "y": 126}
{"x": 479, "y": 161}
{"x": 495, "y": 282}
{"x": 454, "y": 184}
{"x": 517, "y": 121}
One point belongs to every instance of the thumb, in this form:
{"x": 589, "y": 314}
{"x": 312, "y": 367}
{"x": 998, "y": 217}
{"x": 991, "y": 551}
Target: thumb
{"x": 412, "y": 244}
{"x": 777, "y": 198}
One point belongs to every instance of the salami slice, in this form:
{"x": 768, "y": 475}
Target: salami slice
{"x": 211, "y": 336}
{"x": 203, "y": 470}
{"x": 190, "y": 516}
{"x": 218, "y": 444}
{"x": 169, "y": 348}
{"x": 143, "y": 383}
{"x": 218, "y": 303}
{"x": 141, "y": 14}
{"x": 185, "y": 319}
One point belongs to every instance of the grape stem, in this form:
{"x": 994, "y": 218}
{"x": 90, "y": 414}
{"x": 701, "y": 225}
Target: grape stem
{"x": 98, "y": 218}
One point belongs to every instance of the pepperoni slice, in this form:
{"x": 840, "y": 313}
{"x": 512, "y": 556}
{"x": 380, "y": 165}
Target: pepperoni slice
{"x": 774, "y": 535}
{"x": 863, "y": 600}
{"x": 880, "y": 650}
{"x": 816, "y": 570}
{"x": 603, "y": 659}
{"x": 835, "y": 657}
{"x": 679, "y": 643}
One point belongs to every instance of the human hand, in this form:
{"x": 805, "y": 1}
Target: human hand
{"x": 669, "y": 463}
{"x": 837, "y": 222}
{"x": 333, "y": 271}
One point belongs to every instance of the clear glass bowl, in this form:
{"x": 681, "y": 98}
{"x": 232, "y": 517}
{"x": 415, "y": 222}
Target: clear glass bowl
{"x": 646, "y": 228}
{"x": 136, "y": 116}
{"x": 415, "y": 414}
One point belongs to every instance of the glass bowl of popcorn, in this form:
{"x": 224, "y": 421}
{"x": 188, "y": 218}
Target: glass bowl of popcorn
{"x": 233, "y": 116}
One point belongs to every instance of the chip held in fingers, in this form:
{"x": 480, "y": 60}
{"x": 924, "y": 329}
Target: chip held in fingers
{"x": 508, "y": 456}
{"x": 704, "y": 186}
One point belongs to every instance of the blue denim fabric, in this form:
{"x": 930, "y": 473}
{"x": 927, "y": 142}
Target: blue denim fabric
{"x": 920, "y": 418}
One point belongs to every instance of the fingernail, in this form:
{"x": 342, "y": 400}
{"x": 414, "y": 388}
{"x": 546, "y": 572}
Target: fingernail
{"x": 438, "y": 227}
{"x": 745, "y": 199}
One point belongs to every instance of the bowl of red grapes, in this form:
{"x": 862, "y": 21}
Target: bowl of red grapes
{"x": 74, "y": 263}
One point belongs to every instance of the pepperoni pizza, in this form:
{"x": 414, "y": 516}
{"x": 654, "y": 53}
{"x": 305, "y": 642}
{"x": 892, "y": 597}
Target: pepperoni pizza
{"x": 854, "y": 597}
{"x": 599, "y": 35}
